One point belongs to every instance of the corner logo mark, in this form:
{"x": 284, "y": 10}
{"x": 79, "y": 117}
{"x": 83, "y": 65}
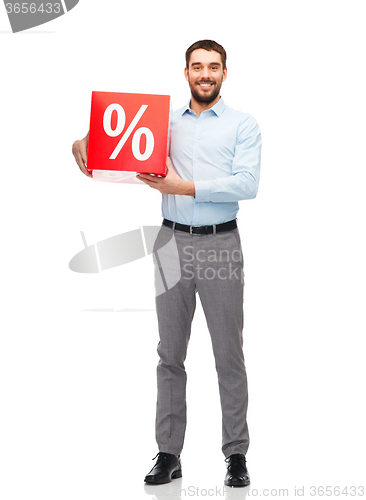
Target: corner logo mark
{"x": 128, "y": 247}
{"x": 25, "y": 15}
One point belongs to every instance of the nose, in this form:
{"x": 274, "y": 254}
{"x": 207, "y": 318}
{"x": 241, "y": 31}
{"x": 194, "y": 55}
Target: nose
{"x": 205, "y": 72}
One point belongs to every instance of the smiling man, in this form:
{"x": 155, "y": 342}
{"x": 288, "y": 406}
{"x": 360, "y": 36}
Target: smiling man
{"x": 205, "y": 76}
{"x": 214, "y": 163}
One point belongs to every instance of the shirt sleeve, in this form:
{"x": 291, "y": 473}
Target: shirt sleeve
{"x": 243, "y": 183}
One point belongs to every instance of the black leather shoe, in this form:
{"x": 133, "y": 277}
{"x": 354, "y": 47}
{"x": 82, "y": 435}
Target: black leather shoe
{"x": 237, "y": 473}
{"x": 167, "y": 467}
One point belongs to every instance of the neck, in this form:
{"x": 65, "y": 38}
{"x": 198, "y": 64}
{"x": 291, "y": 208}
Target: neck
{"x": 198, "y": 107}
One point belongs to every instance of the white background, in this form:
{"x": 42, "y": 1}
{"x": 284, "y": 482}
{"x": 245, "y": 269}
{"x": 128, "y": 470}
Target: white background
{"x": 78, "y": 387}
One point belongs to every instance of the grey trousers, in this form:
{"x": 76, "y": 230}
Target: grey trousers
{"x": 212, "y": 266}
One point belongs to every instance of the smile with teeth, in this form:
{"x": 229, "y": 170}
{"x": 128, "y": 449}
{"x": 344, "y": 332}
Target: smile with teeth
{"x": 205, "y": 85}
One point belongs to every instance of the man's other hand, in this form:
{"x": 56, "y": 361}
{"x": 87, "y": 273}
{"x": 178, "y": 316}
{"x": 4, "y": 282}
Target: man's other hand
{"x": 80, "y": 152}
{"x": 171, "y": 184}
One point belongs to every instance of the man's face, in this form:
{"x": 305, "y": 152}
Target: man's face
{"x": 205, "y": 75}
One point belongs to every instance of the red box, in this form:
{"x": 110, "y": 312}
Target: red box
{"x": 128, "y": 132}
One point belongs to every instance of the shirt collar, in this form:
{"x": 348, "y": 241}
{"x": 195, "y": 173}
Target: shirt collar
{"x": 218, "y": 108}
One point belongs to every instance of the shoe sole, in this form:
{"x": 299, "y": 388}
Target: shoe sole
{"x": 237, "y": 484}
{"x": 176, "y": 474}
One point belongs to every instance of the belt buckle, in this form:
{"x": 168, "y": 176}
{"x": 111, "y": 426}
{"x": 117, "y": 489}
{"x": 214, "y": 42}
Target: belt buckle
{"x": 190, "y": 230}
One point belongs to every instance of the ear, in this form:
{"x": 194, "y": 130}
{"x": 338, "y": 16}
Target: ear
{"x": 224, "y": 74}
{"x": 186, "y": 73}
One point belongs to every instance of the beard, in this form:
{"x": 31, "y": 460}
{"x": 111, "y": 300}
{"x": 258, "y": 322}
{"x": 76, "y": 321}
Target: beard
{"x": 205, "y": 96}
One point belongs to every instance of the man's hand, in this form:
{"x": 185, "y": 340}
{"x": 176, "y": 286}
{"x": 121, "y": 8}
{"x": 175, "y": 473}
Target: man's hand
{"x": 171, "y": 184}
{"x": 80, "y": 152}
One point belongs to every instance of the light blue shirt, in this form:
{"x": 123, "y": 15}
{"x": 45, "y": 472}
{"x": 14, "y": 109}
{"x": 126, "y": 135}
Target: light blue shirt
{"x": 220, "y": 151}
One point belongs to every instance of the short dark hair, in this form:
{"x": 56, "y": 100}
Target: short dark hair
{"x": 207, "y": 45}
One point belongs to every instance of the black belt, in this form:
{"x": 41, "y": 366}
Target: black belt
{"x": 218, "y": 228}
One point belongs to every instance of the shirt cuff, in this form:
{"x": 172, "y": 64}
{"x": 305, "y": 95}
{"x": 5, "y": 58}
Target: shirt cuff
{"x": 203, "y": 190}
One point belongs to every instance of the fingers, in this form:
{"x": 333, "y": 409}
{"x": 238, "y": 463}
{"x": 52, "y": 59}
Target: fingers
{"x": 84, "y": 157}
{"x": 86, "y": 172}
{"x": 150, "y": 180}
{"x": 147, "y": 178}
{"x": 79, "y": 150}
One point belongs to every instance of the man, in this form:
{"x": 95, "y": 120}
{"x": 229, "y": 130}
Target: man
{"x": 214, "y": 163}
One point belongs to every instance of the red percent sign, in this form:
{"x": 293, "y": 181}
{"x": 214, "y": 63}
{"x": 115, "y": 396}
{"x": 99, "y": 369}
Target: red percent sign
{"x": 129, "y": 132}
